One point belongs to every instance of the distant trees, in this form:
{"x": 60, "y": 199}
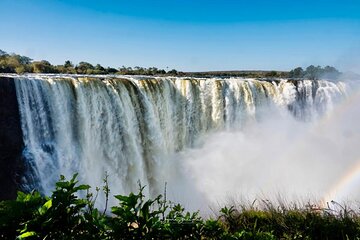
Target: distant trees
{"x": 43, "y": 67}
{"x": 296, "y": 73}
{"x": 13, "y": 63}
{"x": 144, "y": 71}
{"x": 84, "y": 68}
{"x": 271, "y": 74}
{"x": 173, "y": 71}
{"x": 67, "y": 68}
{"x": 68, "y": 64}
{"x": 330, "y": 72}
{"x": 312, "y": 72}
{"x": 111, "y": 70}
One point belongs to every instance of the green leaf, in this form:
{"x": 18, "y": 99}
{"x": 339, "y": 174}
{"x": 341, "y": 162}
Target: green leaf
{"x": 122, "y": 198}
{"x": 48, "y": 204}
{"x": 27, "y": 234}
{"x": 62, "y": 184}
{"x": 43, "y": 209}
{"x": 82, "y": 187}
{"x": 20, "y": 196}
{"x": 73, "y": 179}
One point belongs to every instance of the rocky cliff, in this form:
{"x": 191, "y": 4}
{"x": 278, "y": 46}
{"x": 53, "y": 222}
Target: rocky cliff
{"x": 11, "y": 140}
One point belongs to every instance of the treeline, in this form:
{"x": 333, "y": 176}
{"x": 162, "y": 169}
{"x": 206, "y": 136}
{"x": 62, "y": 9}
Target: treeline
{"x": 245, "y": 74}
{"x": 313, "y": 73}
{"x": 14, "y": 63}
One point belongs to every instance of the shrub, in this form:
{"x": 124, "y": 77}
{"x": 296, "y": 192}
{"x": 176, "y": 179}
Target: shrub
{"x": 64, "y": 215}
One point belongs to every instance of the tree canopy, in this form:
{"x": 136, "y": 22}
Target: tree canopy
{"x": 14, "y": 63}
{"x": 312, "y": 72}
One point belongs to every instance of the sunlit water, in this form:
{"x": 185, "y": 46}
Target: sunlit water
{"x": 207, "y": 138}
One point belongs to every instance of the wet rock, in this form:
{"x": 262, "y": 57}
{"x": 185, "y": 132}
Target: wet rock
{"x": 11, "y": 140}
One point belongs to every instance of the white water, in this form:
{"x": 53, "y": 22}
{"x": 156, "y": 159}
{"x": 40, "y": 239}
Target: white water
{"x": 135, "y": 129}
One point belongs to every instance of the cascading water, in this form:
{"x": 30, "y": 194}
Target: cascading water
{"x": 132, "y": 127}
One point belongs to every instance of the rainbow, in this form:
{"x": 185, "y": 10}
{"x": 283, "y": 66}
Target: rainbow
{"x": 344, "y": 186}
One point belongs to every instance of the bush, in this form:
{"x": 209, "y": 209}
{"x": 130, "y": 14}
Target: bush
{"x": 64, "y": 215}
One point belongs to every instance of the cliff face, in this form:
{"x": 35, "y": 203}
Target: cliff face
{"x": 11, "y": 140}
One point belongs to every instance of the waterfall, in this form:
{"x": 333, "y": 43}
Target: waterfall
{"x": 130, "y": 127}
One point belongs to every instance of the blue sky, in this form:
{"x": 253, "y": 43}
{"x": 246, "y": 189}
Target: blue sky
{"x": 185, "y": 35}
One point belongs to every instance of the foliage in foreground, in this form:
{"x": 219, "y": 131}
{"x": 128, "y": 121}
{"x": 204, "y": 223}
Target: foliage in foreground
{"x": 64, "y": 215}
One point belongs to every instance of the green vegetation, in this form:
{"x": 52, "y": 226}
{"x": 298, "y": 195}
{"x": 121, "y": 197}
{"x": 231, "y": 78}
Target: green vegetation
{"x": 313, "y": 73}
{"x": 13, "y": 63}
{"x": 246, "y": 74}
{"x": 64, "y": 215}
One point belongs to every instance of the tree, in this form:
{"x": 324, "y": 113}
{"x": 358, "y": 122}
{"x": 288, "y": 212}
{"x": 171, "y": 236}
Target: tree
{"x": 172, "y": 72}
{"x": 271, "y": 74}
{"x": 2, "y": 53}
{"x": 9, "y": 63}
{"x": 20, "y": 69}
{"x": 111, "y": 70}
{"x": 42, "y": 67}
{"x": 330, "y": 72}
{"x": 313, "y": 72}
{"x": 23, "y": 59}
{"x": 296, "y": 73}
{"x": 99, "y": 69}
{"x": 84, "y": 68}
{"x": 68, "y": 64}
{"x": 68, "y": 67}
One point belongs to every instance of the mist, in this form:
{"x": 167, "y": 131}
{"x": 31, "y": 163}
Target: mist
{"x": 210, "y": 140}
{"x": 276, "y": 157}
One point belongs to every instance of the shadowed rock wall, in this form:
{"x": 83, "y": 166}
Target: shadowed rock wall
{"x": 11, "y": 140}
